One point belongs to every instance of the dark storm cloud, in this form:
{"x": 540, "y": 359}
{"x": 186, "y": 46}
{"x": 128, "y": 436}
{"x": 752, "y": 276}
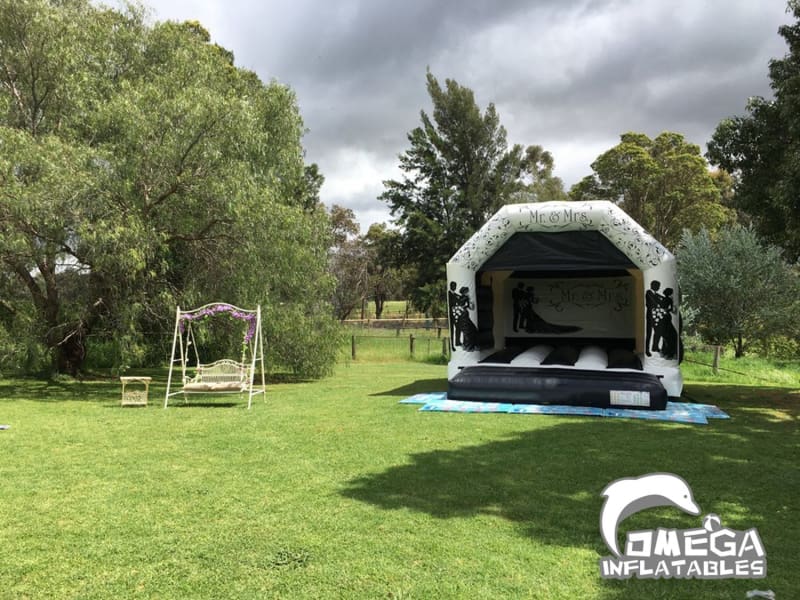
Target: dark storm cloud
{"x": 650, "y": 68}
{"x": 350, "y": 41}
{"x": 569, "y": 75}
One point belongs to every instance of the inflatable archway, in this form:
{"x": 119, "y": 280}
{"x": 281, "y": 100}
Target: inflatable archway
{"x": 564, "y": 303}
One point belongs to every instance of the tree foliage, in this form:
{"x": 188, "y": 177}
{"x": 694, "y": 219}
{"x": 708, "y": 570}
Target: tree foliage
{"x": 387, "y": 277}
{"x": 762, "y": 149}
{"x": 141, "y": 168}
{"x": 662, "y": 183}
{"x": 349, "y": 263}
{"x": 364, "y": 266}
{"x": 458, "y": 171}
{"x": 743, "y": 291}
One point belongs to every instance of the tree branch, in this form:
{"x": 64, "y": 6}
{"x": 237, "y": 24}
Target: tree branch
{"x": 39, "y": 299}
{"x": 202, "y": 234}
{"x": 176, "y": 186}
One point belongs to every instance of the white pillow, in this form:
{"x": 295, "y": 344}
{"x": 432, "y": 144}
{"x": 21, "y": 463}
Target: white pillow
{"x": 532, "y": 357}
{"x": 592, "y": 357}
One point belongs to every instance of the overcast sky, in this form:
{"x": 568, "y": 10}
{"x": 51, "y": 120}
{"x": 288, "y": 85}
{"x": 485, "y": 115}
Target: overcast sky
{"x": 570, "y": 75}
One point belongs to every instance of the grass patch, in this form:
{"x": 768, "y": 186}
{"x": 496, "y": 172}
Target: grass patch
{"x": 748, "y": 370}
{"x": 330, "y": 489}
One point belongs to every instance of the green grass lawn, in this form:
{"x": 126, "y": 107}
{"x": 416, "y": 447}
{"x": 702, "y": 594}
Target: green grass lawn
{"x": 331, "y": 489}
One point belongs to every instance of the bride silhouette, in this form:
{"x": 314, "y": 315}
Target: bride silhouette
{"x": 666, "y": 330}
{"x": 536, "y": 324}
{"x": 466, "y": 333}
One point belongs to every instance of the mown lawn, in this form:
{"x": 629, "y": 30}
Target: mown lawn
{"x": 331, "y": 489}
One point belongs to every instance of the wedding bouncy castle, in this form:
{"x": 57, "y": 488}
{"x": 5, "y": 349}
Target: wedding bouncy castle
{"x": 564, "y": 303}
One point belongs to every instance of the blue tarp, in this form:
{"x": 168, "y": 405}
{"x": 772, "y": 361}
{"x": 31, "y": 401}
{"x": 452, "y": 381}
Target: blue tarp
{"x": 678, "y": 412}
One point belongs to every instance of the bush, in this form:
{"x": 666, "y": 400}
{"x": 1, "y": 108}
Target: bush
{"x": 307, "y": 345}
{"x": 743, "y": 290}
{"x": 20, "y": 350}
{"x": 118, "y": 355}
{"x": 781, "y": 347}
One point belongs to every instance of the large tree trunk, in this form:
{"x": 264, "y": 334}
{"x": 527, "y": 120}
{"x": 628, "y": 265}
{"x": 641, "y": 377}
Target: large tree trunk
{"x": 379, "y": 300}
{"x": 65, "y": 342}
{"x": 739, "y": 347}
{"x": 70, "y": 354}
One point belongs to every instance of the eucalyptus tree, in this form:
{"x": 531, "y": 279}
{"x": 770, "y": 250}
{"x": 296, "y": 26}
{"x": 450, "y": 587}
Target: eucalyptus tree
{"x": 348, "y": 263}
{"x": 761, "y": 149}
{"x": 388, "y": 277}
{"x": 141, "y": 167}
{"x": 662, "y": 183}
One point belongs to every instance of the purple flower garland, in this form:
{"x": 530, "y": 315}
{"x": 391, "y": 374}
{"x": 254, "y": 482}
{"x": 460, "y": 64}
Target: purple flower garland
{"x": 215, "y": 309}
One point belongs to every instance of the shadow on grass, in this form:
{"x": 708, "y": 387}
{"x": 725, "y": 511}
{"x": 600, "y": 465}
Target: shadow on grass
{"x": 207, "y": 404}
{"x": 41, "y": 390}
{"x": 420, "y": 386}
{"x": 105, "y": 390}
{"x": 548, "y": 480}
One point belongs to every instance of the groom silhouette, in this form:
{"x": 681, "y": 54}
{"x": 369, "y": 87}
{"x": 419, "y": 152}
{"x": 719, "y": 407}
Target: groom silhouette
{"x": 452, "y": 302}
{"x": 653, "y": 302}
{"x": 518, "y": 299}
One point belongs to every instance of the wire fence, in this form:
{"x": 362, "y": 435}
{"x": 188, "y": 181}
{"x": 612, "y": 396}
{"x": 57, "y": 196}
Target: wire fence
{"x": 427, "y": 324}
{"x": 427, "y": 339}
{"x": 394, "y": 347}
{"x": 381, "y": 340}
{"x": 397, "y": 339}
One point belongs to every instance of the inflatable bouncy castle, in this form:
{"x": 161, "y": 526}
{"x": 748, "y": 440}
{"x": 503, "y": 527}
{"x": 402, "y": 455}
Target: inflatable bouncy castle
{"x": 564, "y": 303}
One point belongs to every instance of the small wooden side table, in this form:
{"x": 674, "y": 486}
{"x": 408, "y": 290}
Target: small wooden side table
{"x": 136, "y": 397}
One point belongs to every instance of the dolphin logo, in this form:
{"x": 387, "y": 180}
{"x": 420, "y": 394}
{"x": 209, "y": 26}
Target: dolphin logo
{"x": 627, "y": 496}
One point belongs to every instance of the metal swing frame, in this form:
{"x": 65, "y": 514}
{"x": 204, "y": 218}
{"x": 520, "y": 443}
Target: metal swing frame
{"x": 223, "y": 376}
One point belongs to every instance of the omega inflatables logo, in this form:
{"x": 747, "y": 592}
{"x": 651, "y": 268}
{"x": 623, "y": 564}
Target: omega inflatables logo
{"x": 708, "y": 552}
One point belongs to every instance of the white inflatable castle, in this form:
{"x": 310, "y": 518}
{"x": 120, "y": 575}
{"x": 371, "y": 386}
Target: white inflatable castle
{"x": 564, "y": 303}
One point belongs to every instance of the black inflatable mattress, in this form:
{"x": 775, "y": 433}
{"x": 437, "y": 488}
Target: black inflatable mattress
{"x": 572, "y": 387}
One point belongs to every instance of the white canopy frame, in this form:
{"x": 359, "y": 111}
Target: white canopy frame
{"x": 224, "y": 376}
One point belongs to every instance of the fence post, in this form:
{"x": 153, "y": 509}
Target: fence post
{"x": 715, "y": 366}
{"x": 411, "y": 343}
{"x": 438, "y": 332}
{"x": 353, "y": 346}
{"x": 444, "y": 347}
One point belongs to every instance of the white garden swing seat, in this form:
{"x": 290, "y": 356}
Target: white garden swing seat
{"x": 221, "y": 376}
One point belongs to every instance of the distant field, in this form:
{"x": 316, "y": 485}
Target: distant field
{"x": 392, "y": 309}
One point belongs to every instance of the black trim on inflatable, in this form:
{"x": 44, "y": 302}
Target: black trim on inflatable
{"x": 572, "y": 387}
{"x": 558, "y": 252}
{"x": 604, "y": 342}
{"x": 593, "y": 273}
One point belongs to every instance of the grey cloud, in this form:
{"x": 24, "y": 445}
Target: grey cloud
{"x": 572, "y": 74}
{"x": 356, "y": 39}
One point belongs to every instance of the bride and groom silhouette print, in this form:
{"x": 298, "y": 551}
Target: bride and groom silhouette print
{"x": 661, "y": 336}
{"x": 464, "y": 333}
{"x": 526, "y": 318}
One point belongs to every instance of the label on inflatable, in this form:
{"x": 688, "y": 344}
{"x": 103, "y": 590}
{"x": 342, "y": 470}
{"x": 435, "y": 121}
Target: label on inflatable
{"x": 629, "y": 398}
